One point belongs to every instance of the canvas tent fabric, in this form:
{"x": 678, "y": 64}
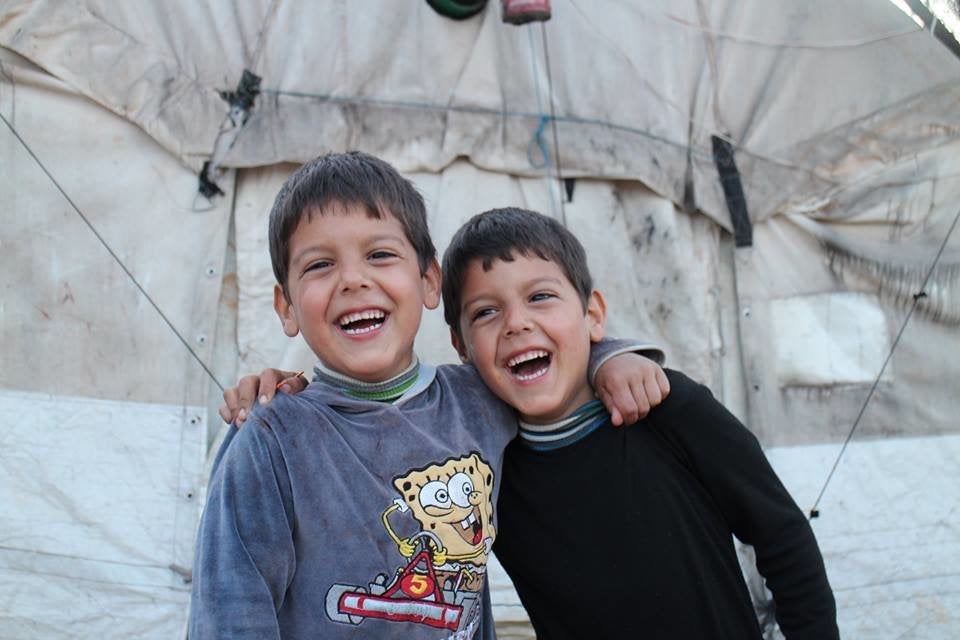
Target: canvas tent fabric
{"x": 105, "y": 443}
{"x": 844, "y": 123}
{"x": 439, "y": 89}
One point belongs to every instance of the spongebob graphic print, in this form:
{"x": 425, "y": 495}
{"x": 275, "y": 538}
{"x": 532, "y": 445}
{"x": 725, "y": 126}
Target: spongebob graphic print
{"x": 441, "y": 567}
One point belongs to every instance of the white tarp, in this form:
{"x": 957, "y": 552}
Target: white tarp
{"x": 100, "y": 510}
{"x": 844, "y": 119}
{"x": 888, "y": 532}
{"x": 102, "y": 475}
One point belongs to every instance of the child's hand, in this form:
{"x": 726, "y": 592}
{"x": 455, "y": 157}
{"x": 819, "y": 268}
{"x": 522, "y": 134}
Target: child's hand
{"x": 238, "y": 400}
{"x": 630, "y": 385}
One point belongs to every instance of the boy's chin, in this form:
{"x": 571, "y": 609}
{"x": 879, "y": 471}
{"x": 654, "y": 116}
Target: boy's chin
{"x": 538, "y": 415}
{"x": 549, "y": 410}
{"x": 529, "y": 409}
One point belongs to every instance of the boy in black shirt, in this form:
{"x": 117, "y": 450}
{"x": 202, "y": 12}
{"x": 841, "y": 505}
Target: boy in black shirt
{"x": 613, "y": 532}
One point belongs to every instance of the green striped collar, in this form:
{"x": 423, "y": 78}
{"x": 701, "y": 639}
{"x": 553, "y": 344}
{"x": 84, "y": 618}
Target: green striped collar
{"x": 385, "y": 391}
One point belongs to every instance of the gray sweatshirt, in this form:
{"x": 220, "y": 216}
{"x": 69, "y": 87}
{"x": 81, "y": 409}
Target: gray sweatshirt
{"x": 333, "y": 517}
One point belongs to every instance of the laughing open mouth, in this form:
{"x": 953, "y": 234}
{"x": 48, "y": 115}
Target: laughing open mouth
{"x": 471, "y": 527}
{"x": 361, "y": 322}
{"x": 530, "y": 364}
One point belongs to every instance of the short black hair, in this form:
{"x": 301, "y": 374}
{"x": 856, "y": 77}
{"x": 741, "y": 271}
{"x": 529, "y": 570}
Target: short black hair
{"x": 352, "y": 178}
{"x": 501, "y": 234}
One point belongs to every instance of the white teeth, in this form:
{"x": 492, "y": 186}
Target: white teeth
{"x": 529, "y": 355}
{"x": 369, "y": 314}
{"x": 356, "y": 332}
{"x": 531, "y": 376}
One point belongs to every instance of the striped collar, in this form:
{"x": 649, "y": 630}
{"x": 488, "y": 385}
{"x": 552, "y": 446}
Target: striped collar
{"x": 386, "y": 391}
{"x": 575, "y": 427}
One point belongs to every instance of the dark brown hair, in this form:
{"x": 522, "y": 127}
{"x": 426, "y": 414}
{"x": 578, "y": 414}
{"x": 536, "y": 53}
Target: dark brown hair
{"x": 501, "y": 234}
{"x": 353, "y": 178}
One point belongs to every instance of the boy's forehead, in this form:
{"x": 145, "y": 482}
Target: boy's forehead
{"x": 484, "y": 273}
{"x": 372, "y": 217}
{"x": 332, "y": 224}
{"x": 510, "y": 259}
{"x": 346, "y": 208}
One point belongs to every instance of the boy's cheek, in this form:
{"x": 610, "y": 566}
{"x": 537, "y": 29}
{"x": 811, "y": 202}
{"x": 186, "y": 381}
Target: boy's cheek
{"x": 478, "y": 350}
{"x": 460, "y": 345}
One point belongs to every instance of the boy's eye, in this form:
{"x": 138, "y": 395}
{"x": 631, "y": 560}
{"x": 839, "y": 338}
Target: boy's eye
{"x": 317, "y": 264}
{"x": 483, "y": 312}
{"x": 382, "y": 255}
{"x": 542, "y": 295}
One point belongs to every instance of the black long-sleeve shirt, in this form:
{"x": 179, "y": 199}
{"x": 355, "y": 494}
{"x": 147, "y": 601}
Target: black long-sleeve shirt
{"x": 627, "y": 533}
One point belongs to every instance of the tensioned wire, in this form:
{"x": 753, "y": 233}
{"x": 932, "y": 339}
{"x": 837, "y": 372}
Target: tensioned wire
{"x": 507, "y": 113}
{"x": 414, "y": 105}
{"x": 112, "y": 253}
{"x": 893, "y": 347}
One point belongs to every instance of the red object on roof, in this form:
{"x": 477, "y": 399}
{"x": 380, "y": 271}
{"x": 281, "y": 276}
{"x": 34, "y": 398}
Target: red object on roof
{"x": 524, "y": 11}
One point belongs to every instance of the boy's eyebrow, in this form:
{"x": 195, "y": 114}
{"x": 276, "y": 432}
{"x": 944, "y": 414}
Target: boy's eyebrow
{"x": 386, "y": 236}
{"x": 304, "y": 252}
{"x": 469, "y": 301}
{"x": 533, "y": 283}
{"x": 320, "y": 248}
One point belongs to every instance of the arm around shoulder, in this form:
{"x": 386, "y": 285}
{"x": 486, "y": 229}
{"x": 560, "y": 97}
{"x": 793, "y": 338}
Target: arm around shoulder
{"x": 628, "y": 378}
{"x": 245, "y": 557}
{"x": 608, "y": 348}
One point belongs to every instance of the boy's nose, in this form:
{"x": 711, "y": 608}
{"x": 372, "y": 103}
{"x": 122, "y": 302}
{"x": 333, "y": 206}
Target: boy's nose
{"x": 516, "y": 322}
{"x": 353, "y": 278}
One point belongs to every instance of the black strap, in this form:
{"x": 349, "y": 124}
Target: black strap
{"x": 733, "y": 191}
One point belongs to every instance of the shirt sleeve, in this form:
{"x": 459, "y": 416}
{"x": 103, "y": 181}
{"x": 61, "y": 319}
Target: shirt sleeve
{"x": 607, "y": 348}
{"x": 759, "y": 510}
{"x": 245, "y": 555}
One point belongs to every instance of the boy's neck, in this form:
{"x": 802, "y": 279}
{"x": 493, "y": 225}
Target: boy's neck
{"x": 383, "y": 391}
{"x": 572, "y": 428}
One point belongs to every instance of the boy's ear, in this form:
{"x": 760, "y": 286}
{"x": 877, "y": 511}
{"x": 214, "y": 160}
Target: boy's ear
{"x": 459, "y": 345}
{"x": 431, "y": 285}
{"x": 596, "y": 315}
{"x": 285, "y": 312}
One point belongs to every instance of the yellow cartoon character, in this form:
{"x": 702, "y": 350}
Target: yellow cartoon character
{"x": 441, "y": 582}
{"x": 453, "y": 501}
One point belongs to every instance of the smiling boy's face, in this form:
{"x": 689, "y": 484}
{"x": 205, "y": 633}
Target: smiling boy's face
{"x": 356, "y": 291}
{"x": 523, "y": 326}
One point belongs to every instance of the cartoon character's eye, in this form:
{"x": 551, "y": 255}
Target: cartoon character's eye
{"x": 435, "y": 494}
{"x": 461, "y": 486}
